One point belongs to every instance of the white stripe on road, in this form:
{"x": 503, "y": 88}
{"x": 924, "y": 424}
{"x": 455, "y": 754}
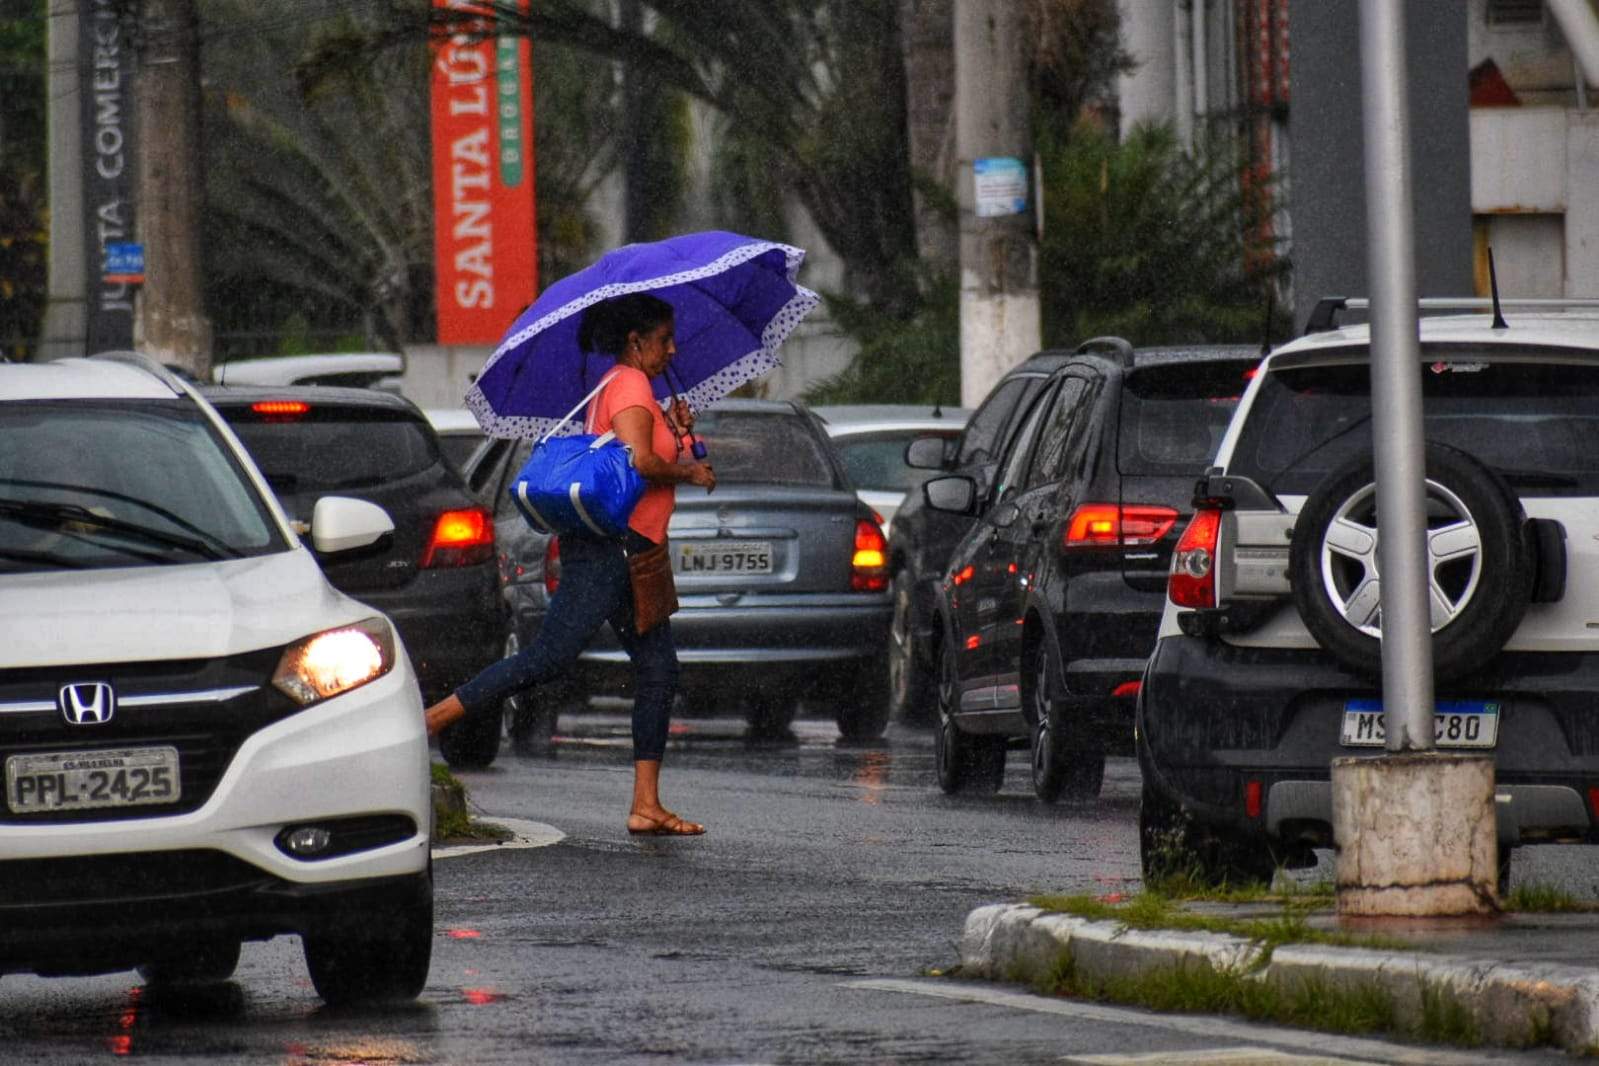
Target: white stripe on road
{"x": 1193, "y": 1025}
{"x": 526, "y": 835}
{"x": 1225, "y": 1056}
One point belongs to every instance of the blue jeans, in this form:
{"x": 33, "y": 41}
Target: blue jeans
{"x": 594, "y": 590}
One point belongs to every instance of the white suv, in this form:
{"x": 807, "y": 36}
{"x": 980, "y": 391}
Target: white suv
{"x": 1268, "y": 660}
{"x": 202, "y": 741}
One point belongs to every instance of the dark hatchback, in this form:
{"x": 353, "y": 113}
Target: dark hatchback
{"x": 435, "y": 578}
{"x": 924, "y": 538}
{"x": 1051, "y": 603}
{"x": 781, "y": 573}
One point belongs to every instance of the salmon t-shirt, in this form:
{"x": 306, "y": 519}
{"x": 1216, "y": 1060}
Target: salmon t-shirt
{"x": 629, "y": 387}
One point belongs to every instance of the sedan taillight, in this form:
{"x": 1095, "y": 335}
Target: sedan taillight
{"x": 460, "y": 538}
{"x": 869, "y": 566}
{"x": 1109, "y": 525}
{"x": 1193, "y": 564}
{"x": 552, "y": 566}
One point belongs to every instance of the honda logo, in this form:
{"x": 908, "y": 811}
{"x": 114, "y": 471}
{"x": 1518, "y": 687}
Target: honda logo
{"x": 89, "y": 703}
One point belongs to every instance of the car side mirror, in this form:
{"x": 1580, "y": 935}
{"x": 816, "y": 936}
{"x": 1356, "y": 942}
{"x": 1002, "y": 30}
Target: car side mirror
{"x": 340, "y": 524}
{"x": 928, "y": 453}
{"x": 953, "y": 495}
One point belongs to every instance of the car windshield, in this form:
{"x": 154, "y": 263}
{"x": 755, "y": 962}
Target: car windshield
{"x": 326, "y": 449}
{"x": 1537, "y": 424}
{"x": 774, "y": 448}
{"x": 877, "y": 460}
{"x": 1174, "y": 415}
{"x": 92, "y": 485}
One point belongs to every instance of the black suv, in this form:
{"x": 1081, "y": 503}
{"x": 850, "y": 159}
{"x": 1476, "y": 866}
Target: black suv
{"x": 437, "y": 578}
{"x": 1268, "y": 663}
{"x": 1051, "y": 602}
{"x": 924, "y": 537}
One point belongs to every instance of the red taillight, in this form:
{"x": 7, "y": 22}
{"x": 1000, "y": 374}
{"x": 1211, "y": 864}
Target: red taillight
{"x": 552, "y": 565}
{"x": 869, "y": 567}
{"x": 1252, "y": 797}
{"x": 460, "y": 538}
{"x": 1126, "y": 690}
{"x": 1107, "y": 525}
{"x": 281, "y": 410}
{"x": 1193, "y": 564}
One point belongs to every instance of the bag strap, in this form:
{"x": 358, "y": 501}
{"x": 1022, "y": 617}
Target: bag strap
{"x": 604, "y": 381}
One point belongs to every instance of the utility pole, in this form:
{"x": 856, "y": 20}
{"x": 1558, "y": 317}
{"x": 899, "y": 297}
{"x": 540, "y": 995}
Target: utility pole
{"x": 172, "y": 187}
{"x": 998, "y": 249}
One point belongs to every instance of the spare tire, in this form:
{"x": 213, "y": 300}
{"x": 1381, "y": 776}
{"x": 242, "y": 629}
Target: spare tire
{"x": 1481, "y": 563}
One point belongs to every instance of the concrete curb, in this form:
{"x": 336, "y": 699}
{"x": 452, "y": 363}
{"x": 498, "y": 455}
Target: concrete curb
{"x": 1511, "y": 1003}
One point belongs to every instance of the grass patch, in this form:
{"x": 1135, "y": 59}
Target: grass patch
{"x": 1546, "y": 899}
{"x": 451, "y": 822}
{"x": 1322, "y": 1006}
{"x": 1150, "y": 910}
{"x": 1198, "y": 988}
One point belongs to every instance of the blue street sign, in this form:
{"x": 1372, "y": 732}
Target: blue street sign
{"x": 124, "y": 262}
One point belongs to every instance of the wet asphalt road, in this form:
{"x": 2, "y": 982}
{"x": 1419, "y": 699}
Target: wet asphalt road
{"x": 808, "y": 926}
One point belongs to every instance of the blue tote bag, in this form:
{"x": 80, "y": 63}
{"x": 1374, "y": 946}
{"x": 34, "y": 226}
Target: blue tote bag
{"x": 578, "y": 484}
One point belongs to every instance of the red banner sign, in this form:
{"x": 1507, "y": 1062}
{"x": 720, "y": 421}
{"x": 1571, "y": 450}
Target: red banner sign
{"x": 485, "y": 241}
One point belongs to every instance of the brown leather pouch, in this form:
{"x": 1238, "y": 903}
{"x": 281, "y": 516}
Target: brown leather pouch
{"x": 654, "y": 593}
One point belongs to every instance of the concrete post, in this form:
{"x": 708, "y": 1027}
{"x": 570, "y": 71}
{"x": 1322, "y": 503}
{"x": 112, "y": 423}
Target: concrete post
{"x": 65, "y": 314}
{"x": 999, "y": 256}
{"x": 1415, "y": 830}
{"x": 1417, "y": 835}
{"x": 1147, "y": 93}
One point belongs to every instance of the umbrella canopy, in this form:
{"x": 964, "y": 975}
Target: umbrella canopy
{"x": 735, "y": 300}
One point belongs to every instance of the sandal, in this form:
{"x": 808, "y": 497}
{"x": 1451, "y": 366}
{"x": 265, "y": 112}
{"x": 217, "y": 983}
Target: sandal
{"x": 669, "y": 826}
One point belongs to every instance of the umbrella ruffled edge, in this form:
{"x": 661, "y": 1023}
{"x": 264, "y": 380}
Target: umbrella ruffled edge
{"x": 792, "y": 258}
{"x": 746, "y": 368}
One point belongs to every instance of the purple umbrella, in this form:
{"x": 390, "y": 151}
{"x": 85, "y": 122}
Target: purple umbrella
{"x": 735, "y": 301}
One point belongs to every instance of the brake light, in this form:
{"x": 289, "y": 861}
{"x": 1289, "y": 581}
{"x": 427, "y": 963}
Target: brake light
{"x": 552, "y": 565}
{"x": 460, "y": 538}
{"x": 1126, "y": 690}
{"x": 281, "y": 410}
{"x": 1193, "y": 564}
{"x": 869, "y": 567}
{"x": 1108, "y": 525}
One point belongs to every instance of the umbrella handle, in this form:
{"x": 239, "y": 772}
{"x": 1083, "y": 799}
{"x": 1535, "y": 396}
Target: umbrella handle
{"x": 696, "y": 446}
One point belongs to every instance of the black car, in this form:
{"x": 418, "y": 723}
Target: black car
{"x": 923, "y": 537}
{"x": 436, "y": 578}
{"x": 1051, "y": 602}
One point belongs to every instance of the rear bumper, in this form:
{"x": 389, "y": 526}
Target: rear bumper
{"x": 1212, "y": 718}
{"x": 814, "y": 648}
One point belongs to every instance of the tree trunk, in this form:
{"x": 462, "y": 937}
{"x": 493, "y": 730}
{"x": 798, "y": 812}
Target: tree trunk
{"x": 172, "y": 187}
{"x": 928, "y": 29}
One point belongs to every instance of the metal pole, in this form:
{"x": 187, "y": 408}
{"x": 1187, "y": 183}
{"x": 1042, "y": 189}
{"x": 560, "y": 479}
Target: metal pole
{"x": 1396, "y": 426}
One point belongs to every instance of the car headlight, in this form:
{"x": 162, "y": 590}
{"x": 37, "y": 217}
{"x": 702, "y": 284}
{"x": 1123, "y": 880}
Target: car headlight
{"x": 335, "y": 660}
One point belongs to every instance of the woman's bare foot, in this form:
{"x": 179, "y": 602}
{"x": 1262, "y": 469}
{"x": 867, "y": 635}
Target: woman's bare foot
{"x": 448, "y": 710}
{"x": 661, "y": 822}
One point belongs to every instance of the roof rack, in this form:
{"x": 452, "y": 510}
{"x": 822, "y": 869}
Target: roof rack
{"x": 145, "y": 363}
{"x": 1325, "y": 314}
{"x": 1118, "y": 346}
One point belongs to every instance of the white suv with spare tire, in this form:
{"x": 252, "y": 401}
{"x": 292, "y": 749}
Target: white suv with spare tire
{"x": 1268, "y": 661}
{"x": 203, "y": 743}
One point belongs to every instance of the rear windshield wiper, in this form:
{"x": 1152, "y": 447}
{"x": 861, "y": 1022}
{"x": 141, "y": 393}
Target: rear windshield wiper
{"x": 45, "y": 514}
